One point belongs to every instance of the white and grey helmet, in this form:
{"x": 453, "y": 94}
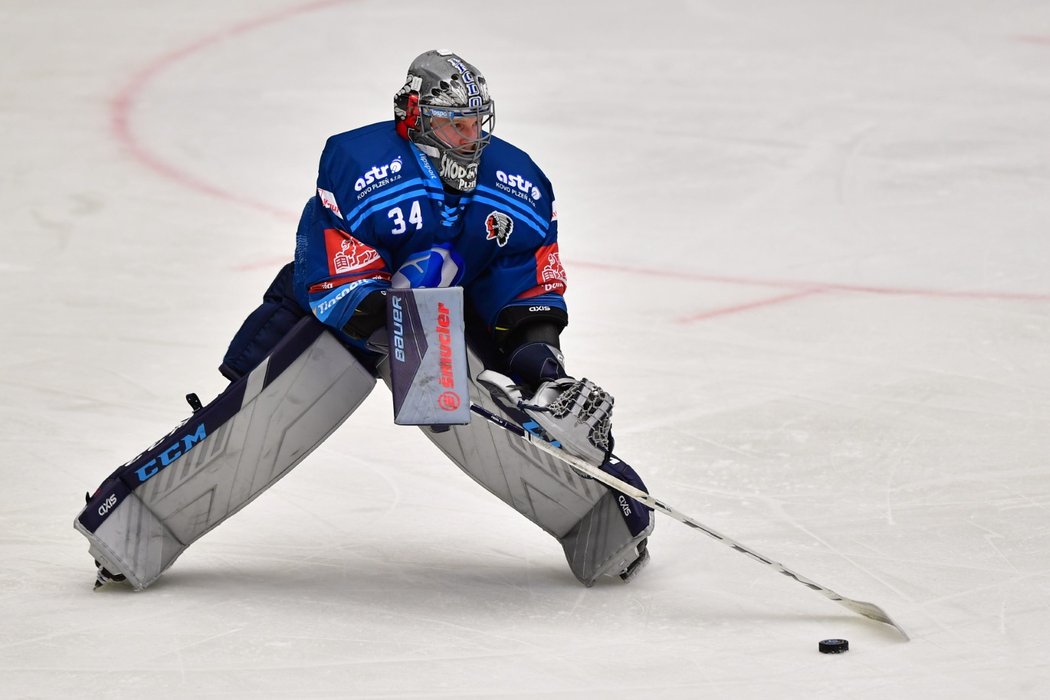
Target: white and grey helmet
{"x": 445, "y": 109}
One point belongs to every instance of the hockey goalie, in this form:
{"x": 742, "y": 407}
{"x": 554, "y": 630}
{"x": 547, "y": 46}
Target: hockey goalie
{"x": 427, "y": 259}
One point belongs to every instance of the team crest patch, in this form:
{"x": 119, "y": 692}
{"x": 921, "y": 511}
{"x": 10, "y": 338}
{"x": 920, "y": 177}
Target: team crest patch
{"x": 499, "y": 227}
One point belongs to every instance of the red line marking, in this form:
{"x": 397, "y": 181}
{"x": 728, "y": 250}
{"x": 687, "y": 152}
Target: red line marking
{"x": 1043, "y": 39}
{"x": 123, "y": 103}
{"x": 780, "y": 299}
{"x": 122, "y": 106}
{"x": 821, "y": 286}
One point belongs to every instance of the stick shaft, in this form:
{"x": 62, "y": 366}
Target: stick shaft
{"x": 868, "y": 610}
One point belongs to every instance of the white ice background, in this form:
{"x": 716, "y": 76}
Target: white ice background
{"x": 808, "y": 245}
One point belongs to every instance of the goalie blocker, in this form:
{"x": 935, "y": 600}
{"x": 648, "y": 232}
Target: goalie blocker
{"x": 152, "y": 508}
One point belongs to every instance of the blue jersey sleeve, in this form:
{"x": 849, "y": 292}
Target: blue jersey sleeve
{"x": 340, "y": 258}
{"x": 334, "y": 270}
{"x": 533, "y": 278}
{"x": 529, "y": 272}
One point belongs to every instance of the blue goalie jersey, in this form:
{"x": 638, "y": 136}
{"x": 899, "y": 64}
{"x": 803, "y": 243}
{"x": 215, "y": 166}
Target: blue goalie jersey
{"x": 381, "y": 218}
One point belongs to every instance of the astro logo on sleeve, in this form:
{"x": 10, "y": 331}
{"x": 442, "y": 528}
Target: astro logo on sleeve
{"x": 379, "y": 175}
{"x": 517, "y": 184}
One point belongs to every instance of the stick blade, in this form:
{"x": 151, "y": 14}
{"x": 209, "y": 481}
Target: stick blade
{"x": 873, "y": 612}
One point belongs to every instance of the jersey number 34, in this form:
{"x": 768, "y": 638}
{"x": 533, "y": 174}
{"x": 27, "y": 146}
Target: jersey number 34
{"x": 415, "y": 216}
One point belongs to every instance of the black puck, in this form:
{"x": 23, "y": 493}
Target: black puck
{"x": 833, "y": 646}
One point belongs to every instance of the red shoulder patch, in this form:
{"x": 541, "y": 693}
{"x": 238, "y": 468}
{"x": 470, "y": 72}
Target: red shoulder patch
{"x": 346, "y": 254}
{"x": 549, "y": 272}
{"x": 550, "y": 275}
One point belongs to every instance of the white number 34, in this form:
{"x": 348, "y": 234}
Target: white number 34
{"x": 415, "y": 216}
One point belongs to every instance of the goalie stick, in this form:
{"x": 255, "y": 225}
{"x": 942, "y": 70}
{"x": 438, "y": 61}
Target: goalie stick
{"x": 868, "y": 610}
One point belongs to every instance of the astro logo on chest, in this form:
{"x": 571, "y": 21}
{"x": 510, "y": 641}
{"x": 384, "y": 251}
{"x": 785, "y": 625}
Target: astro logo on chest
{"x": 498, "y": 227}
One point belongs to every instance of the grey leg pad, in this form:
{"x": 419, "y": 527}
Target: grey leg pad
{"x": 268, "y": 421}
{"x": 579, "y": 512}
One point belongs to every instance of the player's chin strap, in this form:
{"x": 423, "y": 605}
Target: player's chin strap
{"x": 505, "y": 386}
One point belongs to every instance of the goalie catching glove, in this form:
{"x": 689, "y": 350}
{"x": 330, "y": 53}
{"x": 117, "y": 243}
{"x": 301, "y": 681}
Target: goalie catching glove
{"x": 576, "y": 413}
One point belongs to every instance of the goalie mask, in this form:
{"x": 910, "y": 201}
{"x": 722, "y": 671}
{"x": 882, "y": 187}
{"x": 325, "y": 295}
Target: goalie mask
{"x": 444, "y": 108}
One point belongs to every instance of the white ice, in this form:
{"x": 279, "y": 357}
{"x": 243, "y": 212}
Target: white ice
{"x": 808, "y": 250}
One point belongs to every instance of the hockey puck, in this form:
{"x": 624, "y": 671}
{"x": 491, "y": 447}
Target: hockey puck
{"x": 833, "y": 646}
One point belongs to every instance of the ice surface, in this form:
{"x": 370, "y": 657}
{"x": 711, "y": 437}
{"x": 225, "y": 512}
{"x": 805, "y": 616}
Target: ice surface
{"x": 808, "y": 252}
